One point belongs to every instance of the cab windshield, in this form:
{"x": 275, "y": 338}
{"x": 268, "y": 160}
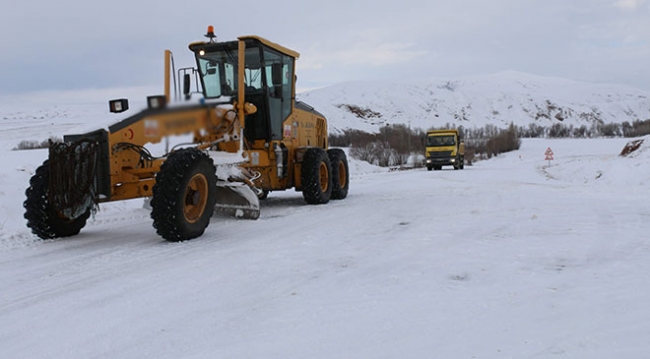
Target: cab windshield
{"x": 268, "y": 82}
{"x": 218, "y": 74}
{"x": 441, "y": 141}
{"x": 218, "y": 71}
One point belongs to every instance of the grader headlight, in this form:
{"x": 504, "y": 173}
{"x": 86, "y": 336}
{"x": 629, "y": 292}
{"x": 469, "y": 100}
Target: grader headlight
{"x": 156, "y": 102}
{"x": 119, "y": 105}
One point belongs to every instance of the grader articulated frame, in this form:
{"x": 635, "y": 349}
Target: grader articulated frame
{"x": 247, "y": 107}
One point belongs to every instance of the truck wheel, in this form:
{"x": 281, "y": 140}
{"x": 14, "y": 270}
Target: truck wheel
{"x": 429, "y": 168}
{"x": 42, "y": 218}
{"x": 340, "y": 173}
{"x": 316, "y": 176}
{"x": 184, "y": 195}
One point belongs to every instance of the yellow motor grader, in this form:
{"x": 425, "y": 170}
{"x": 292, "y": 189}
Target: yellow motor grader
{"x": 247, "y": 108}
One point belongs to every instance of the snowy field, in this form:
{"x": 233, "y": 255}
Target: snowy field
{"x": 509, "y": 258}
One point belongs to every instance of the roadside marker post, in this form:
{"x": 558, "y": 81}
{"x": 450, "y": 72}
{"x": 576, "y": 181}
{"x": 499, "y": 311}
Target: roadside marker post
{"x": 549, "y": 156}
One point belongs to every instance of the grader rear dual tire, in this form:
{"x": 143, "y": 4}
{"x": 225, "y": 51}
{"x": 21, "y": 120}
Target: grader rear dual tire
{"x": 184, "y": 195}
{"x": 42, "y": 218}
{"x": 316, "y": 176}
{"x": 340, "y": 173}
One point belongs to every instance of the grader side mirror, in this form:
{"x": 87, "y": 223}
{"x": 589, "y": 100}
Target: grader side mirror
{"x": 186, "y": 85}
{"x": 276, "y": 74}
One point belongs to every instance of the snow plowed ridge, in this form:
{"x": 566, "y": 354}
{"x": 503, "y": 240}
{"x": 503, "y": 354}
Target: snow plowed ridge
{"x": 605, "y": 169}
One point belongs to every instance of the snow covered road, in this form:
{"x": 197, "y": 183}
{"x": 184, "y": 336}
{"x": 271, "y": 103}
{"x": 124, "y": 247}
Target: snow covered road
{"x": 508, "y": 258}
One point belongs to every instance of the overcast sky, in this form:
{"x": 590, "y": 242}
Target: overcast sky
{"x": 70, "y": 44}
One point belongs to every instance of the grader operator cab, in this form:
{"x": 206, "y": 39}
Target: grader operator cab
{"x": 248, "y": 108}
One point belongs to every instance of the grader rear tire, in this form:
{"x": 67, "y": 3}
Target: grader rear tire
{"x": 42, "y": 218}
{"x": 316, "y": 176}
{"x": 184, "y": 195}
{"x": 340, "y": 173}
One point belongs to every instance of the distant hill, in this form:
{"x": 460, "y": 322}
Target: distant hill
{"x": 497, "y": 99}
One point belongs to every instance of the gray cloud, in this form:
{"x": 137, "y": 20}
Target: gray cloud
{"x": 72, "y": 44}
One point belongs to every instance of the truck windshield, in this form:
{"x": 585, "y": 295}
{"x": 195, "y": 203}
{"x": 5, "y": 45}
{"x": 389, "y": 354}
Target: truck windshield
{"x": 441, "y": 141}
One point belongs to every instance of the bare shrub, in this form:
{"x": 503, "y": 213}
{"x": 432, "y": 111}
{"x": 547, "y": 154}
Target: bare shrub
{"x": 469, "y": 156}
{"x": 32, "y": 145}
{"x": 351, "y": 137}
{"x": 558, "y": 130}
{"x": 393, "y": 145}
{"x": 636, "y": 129}
{"x": 377, "y": 153}
{"x": 611, "y": 130}
{"x": 499, "y": 142}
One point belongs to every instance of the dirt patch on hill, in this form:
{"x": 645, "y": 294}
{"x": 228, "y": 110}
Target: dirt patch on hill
{"x": 631, "y": 146}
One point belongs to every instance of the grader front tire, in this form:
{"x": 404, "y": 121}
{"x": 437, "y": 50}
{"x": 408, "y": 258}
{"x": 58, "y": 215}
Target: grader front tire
{"x": 42, "y": 218}
{"x": 184, "y": 195}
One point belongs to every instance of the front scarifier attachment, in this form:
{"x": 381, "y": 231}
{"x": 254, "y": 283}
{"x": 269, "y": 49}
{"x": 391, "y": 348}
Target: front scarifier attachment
{"x": 73, "y": 187}
{"x": 62, "y": 193}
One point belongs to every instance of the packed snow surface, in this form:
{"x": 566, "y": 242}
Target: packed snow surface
{"x": 513, "y": 257}
{"x": 508, "y": 258}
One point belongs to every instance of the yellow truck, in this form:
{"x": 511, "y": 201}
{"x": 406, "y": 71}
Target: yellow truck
{"x": 444, "y": 148}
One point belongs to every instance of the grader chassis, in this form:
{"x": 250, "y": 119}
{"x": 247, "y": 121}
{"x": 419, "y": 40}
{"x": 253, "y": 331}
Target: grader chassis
{"x": 247, "y": 107}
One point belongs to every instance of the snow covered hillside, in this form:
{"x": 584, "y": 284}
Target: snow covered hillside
{"x": 509, "y": 258}
{"x": 497, "y": 99}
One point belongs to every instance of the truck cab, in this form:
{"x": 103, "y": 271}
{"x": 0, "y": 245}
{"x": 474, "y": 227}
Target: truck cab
{"x": 444, "y": 148}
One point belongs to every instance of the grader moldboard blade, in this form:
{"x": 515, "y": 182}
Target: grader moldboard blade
{"x": 236, "y": 199}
